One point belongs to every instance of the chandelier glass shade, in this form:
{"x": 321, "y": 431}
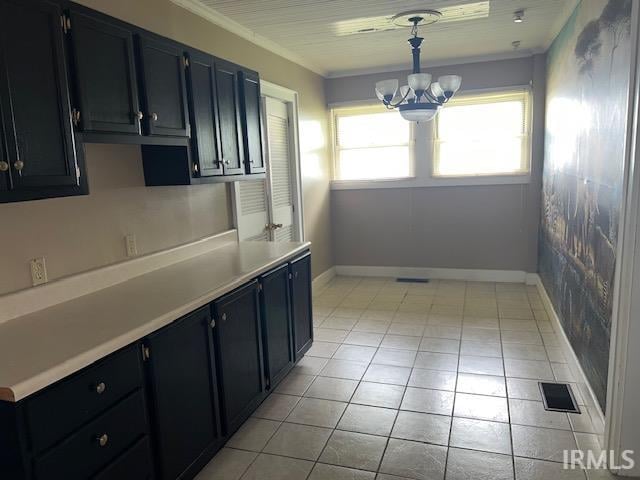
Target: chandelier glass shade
{"x": 420, "y": 99}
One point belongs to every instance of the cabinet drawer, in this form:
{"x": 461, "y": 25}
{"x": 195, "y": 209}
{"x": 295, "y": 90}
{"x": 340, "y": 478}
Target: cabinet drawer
{"x": 96, "y": 444}
{"x": 62, "y": 408}
{"x": 134, "y": 464}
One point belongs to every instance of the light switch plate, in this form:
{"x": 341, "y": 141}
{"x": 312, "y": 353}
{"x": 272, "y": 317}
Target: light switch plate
{"x": 131, "y": 245}
{"x": 38, "y": 271}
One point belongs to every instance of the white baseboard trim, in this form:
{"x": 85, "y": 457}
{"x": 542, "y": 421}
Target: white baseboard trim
{"x": 593, "y": 407}
{"x": 472, "y": 275}
{"x": 324, "y": 278}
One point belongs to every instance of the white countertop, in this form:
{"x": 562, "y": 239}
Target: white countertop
{"x": 45, "y": 346}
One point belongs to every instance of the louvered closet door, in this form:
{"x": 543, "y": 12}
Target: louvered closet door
{"x": 280, "y": 170}
{"x": 252, "y": 208}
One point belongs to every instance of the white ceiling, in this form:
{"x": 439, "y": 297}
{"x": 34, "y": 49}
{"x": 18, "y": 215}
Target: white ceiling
{"x": 306, "y": 31}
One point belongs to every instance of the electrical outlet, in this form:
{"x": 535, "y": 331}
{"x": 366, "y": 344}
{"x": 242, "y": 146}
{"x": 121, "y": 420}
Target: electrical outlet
{"x": 38, "y": 271}
{"x": 131, "y": 245}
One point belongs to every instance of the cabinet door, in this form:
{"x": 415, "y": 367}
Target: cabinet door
{"x": 301, "y": 304}
{"x": 183, "y": 392}
{"x": 105, "y": 75}
{"x": 203, "y": 114}
{"x": 239, "y": 350}
{"x": 276, "y": 324}
{"x": 252, "y": 122}
{"x": 229, "y": 120}
{"x": 165, "y": 95}
{"x": 34, "y": 95}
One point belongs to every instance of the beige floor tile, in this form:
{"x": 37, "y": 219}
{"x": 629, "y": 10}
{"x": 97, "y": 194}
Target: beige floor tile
{"x": 480, "y": 349}
{"x": 532, "y": 369}
{"x": 438, "y": 331}
{"x": 481, "y": 365}
{"x": 524, "y": 352}
{"x": 387, "y": 374}
{"x": 339, "y": 389}
{"x": 527, "y": 412}
{"x": 294, "y": 384}
{"x": 276, "y": 407}
{"x": 409, "y": 329}
{"x": 433, "y": 379}
{"x": 481, "y": 384}
{"x": 372, "y": 326}
{"x": 481, "y": 435}
{"x": 398, "y": 358}
{"x": 428, "y": 401}
{"x": 339, "y": 323}
{"x": 530, "y": 469}
{"x": 298, "y": 441}
{"x": 322, "y": 349}
{"x": 354, "y": 450}
{"x": 414, "y": 460}
{"x": 521, "y": 337}
{"x": 422, "y": 427}
{"x": 329, "y": 335}
{"x": 367, "y": 419}
{"x": 437, "y": 361}
{"x": 524, "y": 389}
{"x": 355, "y": 353}
{"x": 323, "y": 471}
{"x": 541, "y": 443}
{"x": 317, "y": 412}
{"x": 439, "y": 345}
{"x": 228, "y": 464}
{"x": 401, "y": 342}
{"x": 273, "y": 467}
{"x": 344, "y": 369}
{"x": 378, "y": 395}
{"x": 310, "y": 365}
{"x": 473, "y": 465}
{"x": 366, "y": 339}
{"x": 488, "y": 335}
{"x": 481, "y": 407}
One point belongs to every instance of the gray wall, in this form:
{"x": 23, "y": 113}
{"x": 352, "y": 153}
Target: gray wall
{"x": 480, "y": 227}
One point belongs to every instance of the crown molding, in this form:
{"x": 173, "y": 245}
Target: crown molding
{"x": 234, "y": 27}
{"x": 405, "y": 67}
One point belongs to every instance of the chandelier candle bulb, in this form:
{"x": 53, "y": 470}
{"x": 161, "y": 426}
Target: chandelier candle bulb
{"x": 420, "y": 100}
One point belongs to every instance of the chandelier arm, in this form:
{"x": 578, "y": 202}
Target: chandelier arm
{"x": 431, "y": 98}
{"x": 395, "y": 105}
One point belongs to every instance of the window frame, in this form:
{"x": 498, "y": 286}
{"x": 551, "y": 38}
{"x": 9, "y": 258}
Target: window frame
{"x": 365, "y": 108}
{"x": 469, "y": 97}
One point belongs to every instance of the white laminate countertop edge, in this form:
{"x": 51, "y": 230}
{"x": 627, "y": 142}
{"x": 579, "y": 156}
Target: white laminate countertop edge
{"x": 38, "y": 349}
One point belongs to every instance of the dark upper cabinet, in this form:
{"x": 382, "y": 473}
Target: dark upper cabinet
{"x": 239, "y": 354}
{"x": 105, "y": 74}
{"x": 39, "y": 147}
{"x": 203, "y": 111}
{"x": 301, "y": 304}
{"x": 162, "y": 68}
{"x": 276, "y": 324}
{"x": 252, "y": 121}
{"x": 183, "y": 392}
{"x": 229, "y": 117}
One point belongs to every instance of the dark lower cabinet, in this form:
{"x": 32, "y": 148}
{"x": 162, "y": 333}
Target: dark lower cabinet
{"x": 276, "y": 324}
{"x": 239, "y": 354}
{"x": 105, "y": 74}
{"x": 183, "y": 394}
{"x": 162, "y": 64}
{"x": 40, "y": 158}
{"x": 301, "y": 304}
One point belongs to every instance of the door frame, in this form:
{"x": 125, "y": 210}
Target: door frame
{"x": 291, "y": 98}
{"x": 623, "y": 392}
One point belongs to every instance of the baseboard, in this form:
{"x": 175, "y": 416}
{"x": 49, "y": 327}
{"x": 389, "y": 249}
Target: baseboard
{"x": 324, "y": 278}
{"x": 472, "y": 275}
{"x": 593, "y": 407}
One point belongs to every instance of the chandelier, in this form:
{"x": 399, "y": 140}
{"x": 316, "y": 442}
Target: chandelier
{"x": 420, "y": 99}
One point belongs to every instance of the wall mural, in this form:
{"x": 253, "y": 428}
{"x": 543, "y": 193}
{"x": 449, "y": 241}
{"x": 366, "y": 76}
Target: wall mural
{"x": 587, "y": 85}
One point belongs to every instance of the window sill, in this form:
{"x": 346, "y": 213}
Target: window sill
{"x": 420, "y": 182}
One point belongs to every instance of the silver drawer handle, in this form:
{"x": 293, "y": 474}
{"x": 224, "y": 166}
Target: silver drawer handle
{"x": 4, "y": 166}
{"x": 100, "y": 388}
{"x": 103, "y": 439}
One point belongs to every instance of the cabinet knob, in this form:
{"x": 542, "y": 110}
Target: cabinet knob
{"x": 102, "y": 439}
{"x": 224, "y": 317}
{"x": 212, "y": 323}
{"x": 100, "y": 388}
{"x": 4, "y": 166}
{"x": 18, "y": 165}
{"x": 154, "y": 117}
{"x": 139, "y": 115}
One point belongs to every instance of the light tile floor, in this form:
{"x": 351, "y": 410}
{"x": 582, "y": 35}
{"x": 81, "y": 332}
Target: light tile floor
{"x": 418, "y": 381}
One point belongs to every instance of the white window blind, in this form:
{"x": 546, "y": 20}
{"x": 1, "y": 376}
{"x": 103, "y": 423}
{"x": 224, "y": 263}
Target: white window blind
{"x": 483, "y": 134}
{"x": 371, "y": 143}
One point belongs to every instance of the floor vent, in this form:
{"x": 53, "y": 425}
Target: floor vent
{"x": 412, "y": 280}
{"x": 558, "y": 397}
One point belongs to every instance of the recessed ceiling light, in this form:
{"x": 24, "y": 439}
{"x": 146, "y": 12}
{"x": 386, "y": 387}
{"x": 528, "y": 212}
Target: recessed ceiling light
{"x": 518, "y": 16}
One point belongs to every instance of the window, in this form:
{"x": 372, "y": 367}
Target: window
{"x": 483, "y": 134}
{"x": 371, "y": 143}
